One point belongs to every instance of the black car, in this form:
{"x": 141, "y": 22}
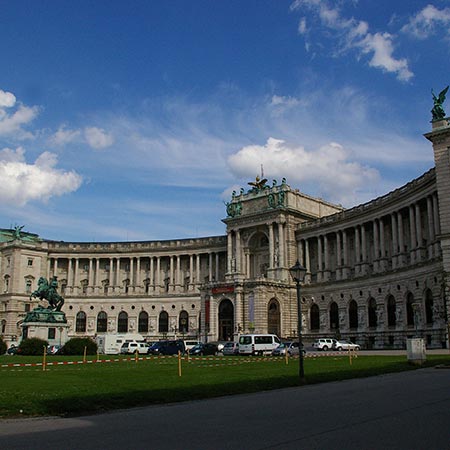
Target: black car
{"x": 166, "y": 348}
{"x": 204, "y": 349}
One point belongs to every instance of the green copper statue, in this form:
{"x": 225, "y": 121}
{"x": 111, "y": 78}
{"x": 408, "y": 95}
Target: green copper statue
{"x": 438, "y": 112}
{"x": 47, "y": 291}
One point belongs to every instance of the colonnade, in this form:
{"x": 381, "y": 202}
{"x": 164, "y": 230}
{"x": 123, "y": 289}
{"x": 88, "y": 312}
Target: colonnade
{"x": 135, "y": 274}
{"x": 397, "y": 239}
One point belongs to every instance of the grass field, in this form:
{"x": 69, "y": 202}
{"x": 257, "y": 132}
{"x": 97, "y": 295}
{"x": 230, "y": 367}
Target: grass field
{"x": 72, "y": 389}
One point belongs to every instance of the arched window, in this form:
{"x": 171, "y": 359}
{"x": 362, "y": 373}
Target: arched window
{"x": 334, "y": 316}
{"x": 353, "y": 314}
{"x": 143, "y": 322}
{"x": 183, "y": 322}
{"x": 391, "y": 311}
{"x": 102, "y": 322}
{"x": 163, "y": 322}
{"x": 429, "y": 306}
{"x": 80, "y": 323}
{"x": 410, "y": 309}
{"x": 372, "y": 310}
{"x": 314, "y": 317}
{"x": 273, "y": 317}
{"x": 122, "y": 322}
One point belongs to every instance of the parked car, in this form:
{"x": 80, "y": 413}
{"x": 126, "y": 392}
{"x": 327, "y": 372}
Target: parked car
{"x": 258, "y": 344}
{"x": 231, "y": 348}
{"x": 129, "y": 348}
{"x": 325, "y": 344}
{"x": 290, "y": 347}
{"x": 220, "y": 345}
{"x": 346, "y": 345}
{"x": 166, "y": 348}
{"x": 209, "y": 348}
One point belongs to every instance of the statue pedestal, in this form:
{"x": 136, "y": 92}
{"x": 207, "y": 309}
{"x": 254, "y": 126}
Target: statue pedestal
{"x": 47, "y": 324}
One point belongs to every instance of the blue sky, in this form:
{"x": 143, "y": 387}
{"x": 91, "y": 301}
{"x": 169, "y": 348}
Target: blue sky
{"x": 135, "y": 120}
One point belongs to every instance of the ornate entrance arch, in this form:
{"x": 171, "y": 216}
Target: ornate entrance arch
{"x": 226, "y": 320}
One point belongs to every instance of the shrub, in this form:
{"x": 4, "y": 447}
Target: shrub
{"x": 2, "y": 346}
{"x": 32, "y": 346}
{"x": 75, "y": 346}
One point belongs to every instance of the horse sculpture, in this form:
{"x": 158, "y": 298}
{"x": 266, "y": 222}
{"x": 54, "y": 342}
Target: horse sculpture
{"x": 47, "y": 291}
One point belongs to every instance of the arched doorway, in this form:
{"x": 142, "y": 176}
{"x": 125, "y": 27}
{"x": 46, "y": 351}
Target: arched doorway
{"x": 226, "y": 320}
{"x": 314, "y": 317}
{"x": 353, "y": 314}
{"x": 273, "y": 317}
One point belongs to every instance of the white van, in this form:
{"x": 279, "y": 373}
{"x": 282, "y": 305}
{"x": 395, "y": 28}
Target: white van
{"x": 132, "y": 347}
{"x": 258, "y": 344}
{"x": 110, "y": 344}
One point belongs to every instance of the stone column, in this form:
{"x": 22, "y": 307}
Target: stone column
{"x": 158, "y": 273}
{"x": 345, "y": 268}
{"x": 210, "y": 268}
{"x": 197, "y": 278}
{"x": 357, "y": 251}
{"x": 364, "y": 262}
{"x": 70, "y": 280}
{"x": 430, "y": 227}
{"x": 326, "y": 273}
{"x": 307, "y": 262}
{"x": 376, "y": 247}
{"x": 217, "y": 266}
{"x": 171, "y": 273}
{"x": 191, "y": 272}
{"x": 401, "y": 241}
{"x": 76, "y": 275}
{"x": 229, "y": 251}
{"x": 271, "y": 246}
{"x": 319, "y": 258}
{"x": 90, "y": 275}
{"x": 137, "y": 282}
{"x": 238, "y": 251}
{"x": 419, "y": 250}
{"x": 281, "y": 244}
{"x": 97, "y": 274}
{"x": 383, "y": 260}
{"x": 413, "y": 239}
{"x": 338, "y": 256}
{"x": 394, "y": 232}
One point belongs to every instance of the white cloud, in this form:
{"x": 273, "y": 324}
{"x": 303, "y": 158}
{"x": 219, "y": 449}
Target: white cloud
{"x": 98, "y": 138}
{"x": 428, "y": 21}
{"x": 380, "y": 45}
{"x": 64, "y": 136}
{"x": 352, "y": 34}
{"x": 22, "y": 182}
{"x": 7, "y": 100}
{"x": 327, "y": 170}
{"x": 12, "y": 123}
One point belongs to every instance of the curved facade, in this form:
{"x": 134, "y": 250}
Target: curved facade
{"x": 376, "y": 273}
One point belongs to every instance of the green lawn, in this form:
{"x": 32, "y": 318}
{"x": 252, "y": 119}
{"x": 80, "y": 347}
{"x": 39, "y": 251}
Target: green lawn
{"x": 96, "y": 387}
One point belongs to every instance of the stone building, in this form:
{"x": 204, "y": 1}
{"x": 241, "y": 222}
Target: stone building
{"x": 376, "y": 273}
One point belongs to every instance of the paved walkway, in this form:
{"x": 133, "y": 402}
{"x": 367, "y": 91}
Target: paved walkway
{"x": 408, "y": 410}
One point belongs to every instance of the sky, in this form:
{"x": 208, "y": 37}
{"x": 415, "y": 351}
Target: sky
{"x": 135, "y": 120}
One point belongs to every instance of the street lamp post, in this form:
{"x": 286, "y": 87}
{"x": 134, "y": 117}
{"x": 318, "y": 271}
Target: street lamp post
{"x": 298, "y": 273}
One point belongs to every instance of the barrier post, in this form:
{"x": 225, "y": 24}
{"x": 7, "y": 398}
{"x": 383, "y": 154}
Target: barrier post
{"x": 286, "y": 356}
{"x": 84, "y": 354}
{"x": 44, "y": 363}
{"x": 136, "y": 358}
{"x": 179, "y": 363}
{"x": 350, "y": 355}
{"x": 98, "y": 356}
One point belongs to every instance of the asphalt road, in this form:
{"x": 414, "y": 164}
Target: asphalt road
{"x": 408, "y": 410}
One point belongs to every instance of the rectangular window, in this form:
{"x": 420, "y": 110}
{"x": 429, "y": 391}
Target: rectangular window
{"x": 30, "y": 262}
{"x": 27, "y": 307}
{"x": 51, "y": 333}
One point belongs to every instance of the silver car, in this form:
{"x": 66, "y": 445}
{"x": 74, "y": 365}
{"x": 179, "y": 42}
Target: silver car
{"x": 290, "y": 347}
{"x": 231, "y": 348}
